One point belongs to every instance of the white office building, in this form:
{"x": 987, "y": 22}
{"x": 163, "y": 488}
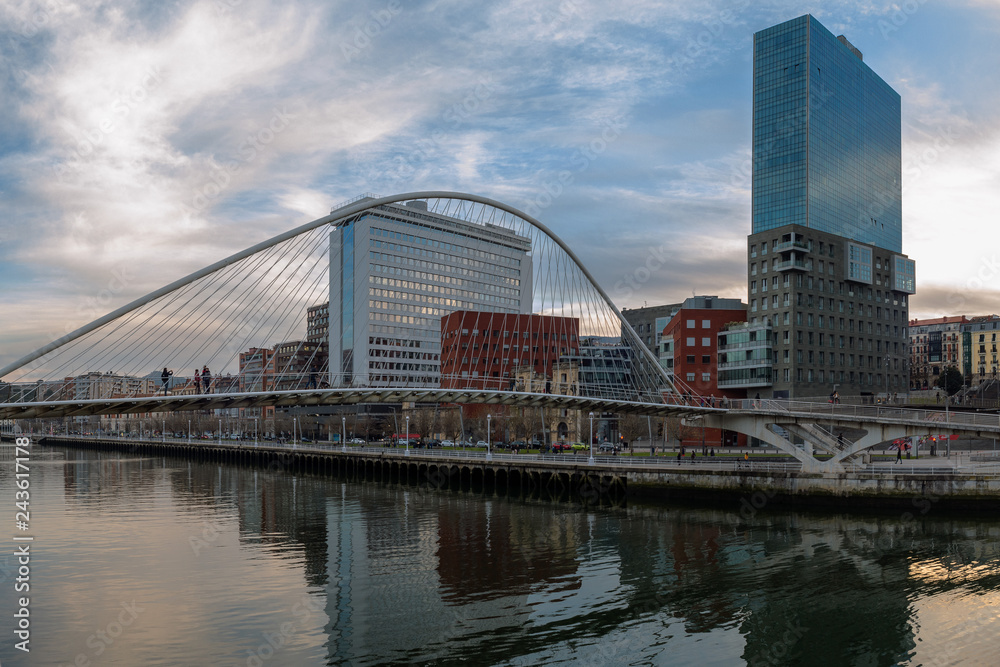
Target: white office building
{"x": 395, "y": 270}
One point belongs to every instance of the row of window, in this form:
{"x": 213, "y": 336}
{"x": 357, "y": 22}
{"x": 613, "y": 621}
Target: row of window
{"x": 450, "y": 280}
{"x": 415, "y": 241}
{"x": 491, "y": 260}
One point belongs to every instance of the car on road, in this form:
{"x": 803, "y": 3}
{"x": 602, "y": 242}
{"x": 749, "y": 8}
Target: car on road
{"x": 608, "y": 447}
{"x": 579, "y": 446}
{"x": 356, "y": 441}
{"x": 560, "y": 447}
{"x": 482, "y": 443}
{"x": 447, "y": 443}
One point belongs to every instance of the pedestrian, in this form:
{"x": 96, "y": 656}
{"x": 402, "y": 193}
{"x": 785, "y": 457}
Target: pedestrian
{"x": 693, "y": 454}
{"x": 899, "y": 453}
{"x": 206, "y": 379}
{"x": 840, "y": 440}
{"x": 165, "y": 378}
{"x": 197, "y": 382}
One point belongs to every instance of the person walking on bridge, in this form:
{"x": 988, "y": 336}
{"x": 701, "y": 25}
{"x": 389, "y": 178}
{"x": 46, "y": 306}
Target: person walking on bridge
{"x": 206, "y": 379}
{"x": 165, "y": 379}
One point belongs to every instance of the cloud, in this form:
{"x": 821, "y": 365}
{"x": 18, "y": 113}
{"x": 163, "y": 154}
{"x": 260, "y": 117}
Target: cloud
{"x": 164, "y": 137}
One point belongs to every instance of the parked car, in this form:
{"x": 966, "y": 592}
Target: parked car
{"x": 432, "y": 442}
{"x": 607, "y": 447}
{"x": 447, "y": 443}
{"x": 560, "y": 447}
{"x": 465, "y": 443}
{"x": 519, "y": 444}
{"x": 356, "y": 441}
{"x": 482, "y": 443}
{"x": 579, "y": 446}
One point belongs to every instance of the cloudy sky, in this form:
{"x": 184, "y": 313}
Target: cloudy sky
{"x": 144, "y": 140}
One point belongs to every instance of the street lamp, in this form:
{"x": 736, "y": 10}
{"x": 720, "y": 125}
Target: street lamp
{"x": 295, "y": 424}
{"x": 254, "y": 431}
{"x": 489, "y": 454}
{"x": 591, "y": 438}
{"x": 343, "y": 433}
{"x": 407, "y": 436}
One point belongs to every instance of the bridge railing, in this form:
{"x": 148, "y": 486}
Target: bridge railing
{"x": 877, "y": 412}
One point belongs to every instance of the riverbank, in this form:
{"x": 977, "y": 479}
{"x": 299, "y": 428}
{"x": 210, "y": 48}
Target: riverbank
{"x": 755, "y": 483}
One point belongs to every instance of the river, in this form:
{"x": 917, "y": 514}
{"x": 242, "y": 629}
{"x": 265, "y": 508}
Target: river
{"x": 161, "y": 561}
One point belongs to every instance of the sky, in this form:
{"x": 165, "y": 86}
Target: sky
{"x": 145, "y": 140}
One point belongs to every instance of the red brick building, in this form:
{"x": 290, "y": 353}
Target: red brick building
{"x": 481, "y": 350}
{"x": 689, "y": 351}
{"x": 689, "y": 346}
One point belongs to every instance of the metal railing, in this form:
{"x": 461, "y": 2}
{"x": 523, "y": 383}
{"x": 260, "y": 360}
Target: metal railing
{"x": 581, "y": 458}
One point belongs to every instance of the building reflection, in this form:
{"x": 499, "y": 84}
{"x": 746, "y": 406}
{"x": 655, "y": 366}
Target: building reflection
{"x": 416, "y": 576}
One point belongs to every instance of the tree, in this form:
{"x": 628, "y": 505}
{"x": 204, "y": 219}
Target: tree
{"x": 951, "y": 380}
{"x": 631, "y": 426}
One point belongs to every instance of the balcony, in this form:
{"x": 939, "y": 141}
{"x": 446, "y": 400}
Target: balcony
{"x": 798, "y": 244}
{"x": 794, "y": 264}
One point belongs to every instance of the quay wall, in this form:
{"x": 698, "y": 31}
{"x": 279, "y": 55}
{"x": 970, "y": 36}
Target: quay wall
{"x": 570, "y": 478}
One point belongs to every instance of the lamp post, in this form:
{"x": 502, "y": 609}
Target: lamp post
{"x": 295, "y": 424}
{"x": 407, "y": 436}
{"x": 592, "y": 438}
{"x": 343, "y": 433}
{"x": 189, "y": 431}
{"x": 254, "y": 431}
{"x": 489, "y": 454}
{"x": 220, "y": 432}
{"x": 163, "y": 429}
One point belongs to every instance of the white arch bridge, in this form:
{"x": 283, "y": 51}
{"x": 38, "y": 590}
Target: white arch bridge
{"x": 354, "y": 307}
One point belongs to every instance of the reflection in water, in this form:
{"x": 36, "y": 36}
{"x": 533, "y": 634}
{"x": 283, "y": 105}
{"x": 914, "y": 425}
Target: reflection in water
{"x": 236, "y": 566}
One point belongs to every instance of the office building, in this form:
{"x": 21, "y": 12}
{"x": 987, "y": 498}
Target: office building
{"x": 395, "y": 271}
{"x": 649, "y": 322}
{"x": 825, "y": 264}
{"x": 318, "y": 323}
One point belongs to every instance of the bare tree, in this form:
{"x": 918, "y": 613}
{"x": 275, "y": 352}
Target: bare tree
{"x": 631, "y": 426}
{"x": 451, "y": 423}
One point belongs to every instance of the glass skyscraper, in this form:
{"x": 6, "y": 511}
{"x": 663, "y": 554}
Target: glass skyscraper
{"x": 825, "y": 263}
{"x": 826, "y": 137}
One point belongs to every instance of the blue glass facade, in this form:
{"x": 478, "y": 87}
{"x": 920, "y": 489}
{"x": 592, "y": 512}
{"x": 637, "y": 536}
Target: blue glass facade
{"x": 826, "y": 138}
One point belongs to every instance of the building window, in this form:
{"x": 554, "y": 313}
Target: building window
{"x": 690, "y": 377}
{"x": 706, "y": 377}
{"x": 690, "y": 341}
{"x": 706, "y": 324}
{"x": 706, "y": 342}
